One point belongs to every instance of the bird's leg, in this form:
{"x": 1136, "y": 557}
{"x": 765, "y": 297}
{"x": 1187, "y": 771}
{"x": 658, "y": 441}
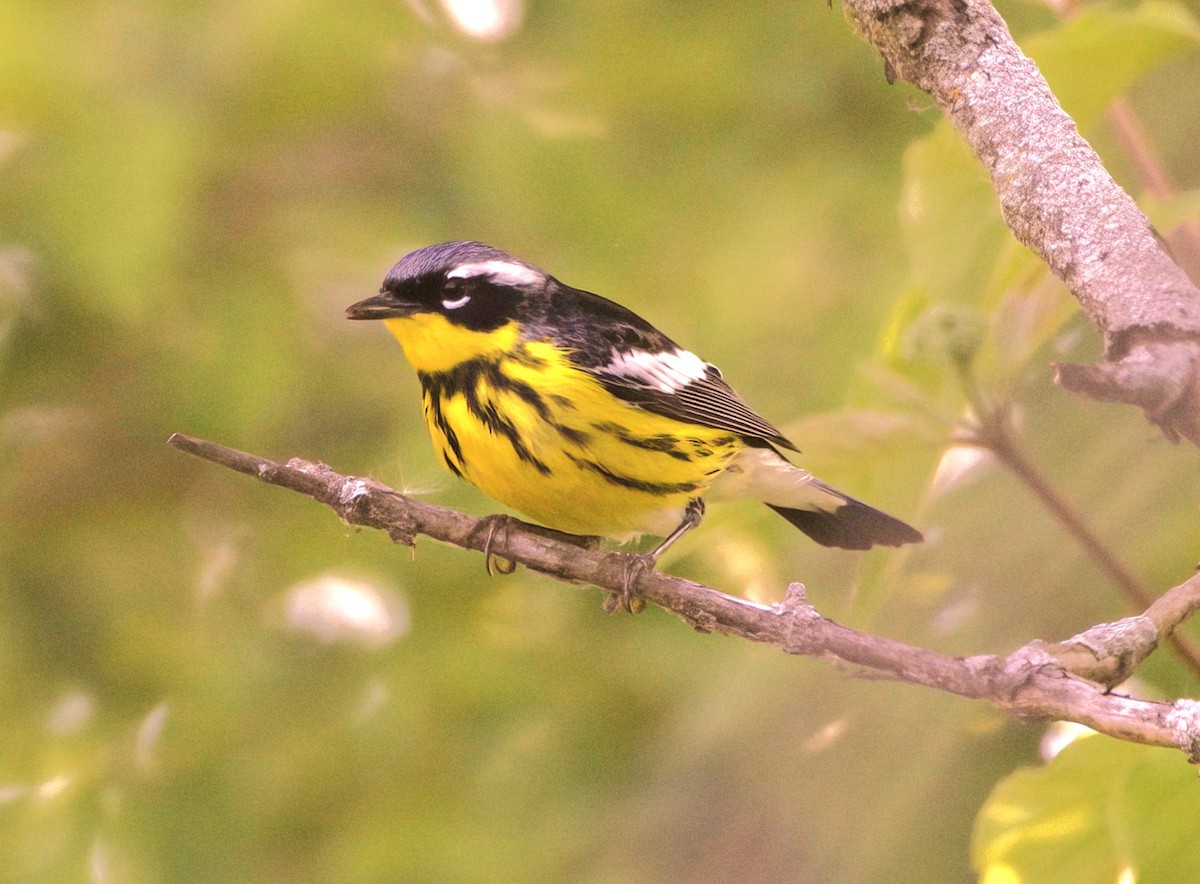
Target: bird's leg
{"x": 693, "y": 513}
{"x": 636, "y": 564}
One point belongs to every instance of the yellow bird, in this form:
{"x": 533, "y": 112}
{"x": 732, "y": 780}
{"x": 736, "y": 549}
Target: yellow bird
{"x": 583, "y": 416}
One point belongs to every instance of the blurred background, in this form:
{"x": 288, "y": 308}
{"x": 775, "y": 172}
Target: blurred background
{"x": 203, "y": 678}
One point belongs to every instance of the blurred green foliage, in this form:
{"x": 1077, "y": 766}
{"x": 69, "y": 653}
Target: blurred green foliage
{"x": 192, "y": 193}
{"x": 1103, "y": 811}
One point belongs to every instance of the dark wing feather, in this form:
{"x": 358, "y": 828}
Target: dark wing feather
{"x": 592, "y": 328}
{"x": 709, "y": 402}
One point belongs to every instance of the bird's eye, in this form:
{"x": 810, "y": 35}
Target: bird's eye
{"x": 455, "y": 303}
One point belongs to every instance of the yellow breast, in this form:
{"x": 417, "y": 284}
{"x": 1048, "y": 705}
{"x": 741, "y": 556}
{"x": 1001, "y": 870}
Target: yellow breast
{"x": 535, "y": 433}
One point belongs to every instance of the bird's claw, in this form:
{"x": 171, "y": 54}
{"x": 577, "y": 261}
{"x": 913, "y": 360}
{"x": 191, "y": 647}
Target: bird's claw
{"x": 493, "y": 563}
{"x": 626, "y": 599}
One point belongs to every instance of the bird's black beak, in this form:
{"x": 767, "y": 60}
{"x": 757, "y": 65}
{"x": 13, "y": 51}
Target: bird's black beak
{"x": 384, "y": 305}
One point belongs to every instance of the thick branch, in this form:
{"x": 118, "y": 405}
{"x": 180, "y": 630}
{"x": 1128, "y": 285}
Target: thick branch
{"x": 1056, "y": 197}
{"x": 1029, "y": 683}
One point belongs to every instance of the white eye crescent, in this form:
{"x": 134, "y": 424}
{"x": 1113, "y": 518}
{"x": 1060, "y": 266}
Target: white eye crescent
{"x": 455, "y": 303}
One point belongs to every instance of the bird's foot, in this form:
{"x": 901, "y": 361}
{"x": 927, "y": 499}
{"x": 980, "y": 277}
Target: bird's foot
{"x": 497, "y": 524}
{"x": 633, "y": 565}
{"x": 640, "y": 563}
{"x": 494, "y": 564}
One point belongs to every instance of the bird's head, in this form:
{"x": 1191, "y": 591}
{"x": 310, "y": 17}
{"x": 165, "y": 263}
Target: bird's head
{"x": 452, "y": 302}
{"x": 470, "y": 284}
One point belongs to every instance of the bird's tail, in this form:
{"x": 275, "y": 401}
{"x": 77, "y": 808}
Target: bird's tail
{"x": 853, "y": 525}
{"x": 827, "y": 515}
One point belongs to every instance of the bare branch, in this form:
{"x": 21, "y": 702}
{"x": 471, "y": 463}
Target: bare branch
{"x": 1109, "y": 652}
{"x": 1057, "y": 198}
{"x": 1029, "y": 683}
{"x": 992, "y": 430}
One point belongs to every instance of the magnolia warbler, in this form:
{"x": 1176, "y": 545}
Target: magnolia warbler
{"x": 583, "y": 416}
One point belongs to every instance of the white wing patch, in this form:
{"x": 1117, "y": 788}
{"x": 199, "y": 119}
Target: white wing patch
{"x": 502, "y": 272}
{"x": 667, "y": 372}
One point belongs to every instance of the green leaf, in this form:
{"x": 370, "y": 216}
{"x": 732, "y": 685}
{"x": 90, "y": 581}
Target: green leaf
{"x": 1102, "y": 810}
{"x": 1097, "y": 55}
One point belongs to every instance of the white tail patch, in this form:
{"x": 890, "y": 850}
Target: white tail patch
{"x": 762, "y": 474}
{"x": 668, "y": 371}
{"x": 501, "y": 272}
